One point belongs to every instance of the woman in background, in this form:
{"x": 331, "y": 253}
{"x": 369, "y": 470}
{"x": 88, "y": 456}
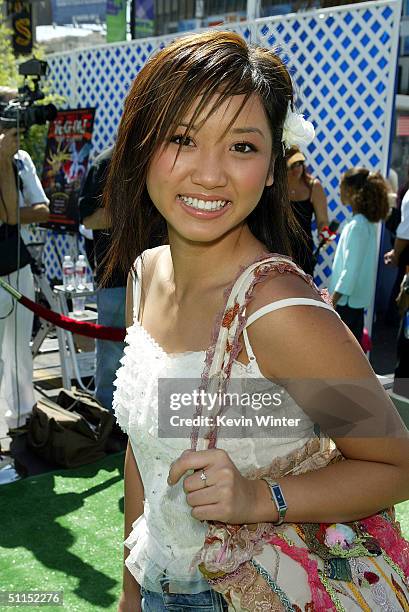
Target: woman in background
{"x": 307, "y": 199}
{"x": 354, "y": 270}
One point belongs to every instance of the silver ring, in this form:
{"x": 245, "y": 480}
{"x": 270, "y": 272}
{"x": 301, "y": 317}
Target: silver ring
{"x": 203, "y": 476}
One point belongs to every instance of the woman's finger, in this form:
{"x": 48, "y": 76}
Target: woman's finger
{"x": 209, "y": 512}
{"x": 192, "y": 460}
{"x": 204, "y": 497}
{"x": 201, "y": 479}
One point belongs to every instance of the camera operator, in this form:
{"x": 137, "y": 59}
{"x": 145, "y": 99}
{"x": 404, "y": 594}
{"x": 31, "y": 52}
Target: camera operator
{"x": 22, "y": 201}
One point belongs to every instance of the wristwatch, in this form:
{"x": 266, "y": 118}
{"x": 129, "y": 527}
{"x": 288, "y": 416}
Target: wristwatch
{"x": 278, "y": 498}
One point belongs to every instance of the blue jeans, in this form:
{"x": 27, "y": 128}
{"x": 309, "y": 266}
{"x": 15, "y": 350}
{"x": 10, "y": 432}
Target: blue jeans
{"x": 208, "y": 601}
{"x": 111, "y": 312}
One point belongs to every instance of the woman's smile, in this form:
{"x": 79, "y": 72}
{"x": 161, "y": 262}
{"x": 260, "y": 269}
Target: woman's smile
{"x": 203, "y": 207}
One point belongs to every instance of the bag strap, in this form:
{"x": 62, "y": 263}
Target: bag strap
{"x": 222, "y": 353}
{"x": 234, "y": 317}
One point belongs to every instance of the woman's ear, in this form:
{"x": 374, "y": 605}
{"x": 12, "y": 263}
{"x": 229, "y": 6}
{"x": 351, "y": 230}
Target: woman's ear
{"x": 270, "y": 175}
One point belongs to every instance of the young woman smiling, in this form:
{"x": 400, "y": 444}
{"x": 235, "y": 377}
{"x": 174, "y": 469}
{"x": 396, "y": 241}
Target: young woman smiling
{"x": 199, "y": 157}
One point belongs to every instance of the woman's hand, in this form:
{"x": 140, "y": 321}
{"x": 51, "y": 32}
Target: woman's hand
{"x": 225, "y": 495}
{"x": 390, "y": 258}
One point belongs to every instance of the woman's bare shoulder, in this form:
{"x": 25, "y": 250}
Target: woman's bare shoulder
{"x": 316, "y": 186}
{"x": 301, "y": 340}
{"x": 150, "y": 259}
{"x": 150, "y": 256}
{"x": 280, "y": 286}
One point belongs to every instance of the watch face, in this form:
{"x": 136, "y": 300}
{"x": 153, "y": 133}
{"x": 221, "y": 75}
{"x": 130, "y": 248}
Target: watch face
{"x": 279, "y": 496}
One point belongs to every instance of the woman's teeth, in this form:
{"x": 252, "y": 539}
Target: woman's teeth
{"x": 202, "y": 204}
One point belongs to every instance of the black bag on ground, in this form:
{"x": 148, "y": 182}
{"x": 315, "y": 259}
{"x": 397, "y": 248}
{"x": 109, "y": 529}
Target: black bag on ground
{"x": 72, "y": 432}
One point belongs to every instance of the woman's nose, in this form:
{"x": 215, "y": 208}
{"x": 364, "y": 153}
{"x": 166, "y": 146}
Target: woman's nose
{"x": 209, "y": 170}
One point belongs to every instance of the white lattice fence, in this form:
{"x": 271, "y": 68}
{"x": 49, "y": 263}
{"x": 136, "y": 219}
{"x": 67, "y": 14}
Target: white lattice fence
{"x": 343, "y": 63}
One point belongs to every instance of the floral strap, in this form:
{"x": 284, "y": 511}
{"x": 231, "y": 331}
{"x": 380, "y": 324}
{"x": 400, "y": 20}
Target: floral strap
{"x": 226, "y": 345}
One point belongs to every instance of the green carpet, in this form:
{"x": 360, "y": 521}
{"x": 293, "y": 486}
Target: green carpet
{"x": 63, "y": 531}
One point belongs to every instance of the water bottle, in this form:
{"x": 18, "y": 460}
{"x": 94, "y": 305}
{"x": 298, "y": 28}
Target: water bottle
{"x": 80, "y": 273}
{"x": 68, "y": 273}
{"x": 78, "y": 301}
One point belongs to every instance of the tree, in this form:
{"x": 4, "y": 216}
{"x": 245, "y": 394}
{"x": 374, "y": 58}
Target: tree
{"x": 8, "y": 64}
{"x": 35, "y": 139}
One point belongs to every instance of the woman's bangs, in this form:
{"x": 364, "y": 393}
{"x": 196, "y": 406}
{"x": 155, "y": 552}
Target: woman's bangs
{"x": 209, "y": 98}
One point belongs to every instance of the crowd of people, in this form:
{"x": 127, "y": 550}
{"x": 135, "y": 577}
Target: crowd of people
{"x": 209, "y": 224}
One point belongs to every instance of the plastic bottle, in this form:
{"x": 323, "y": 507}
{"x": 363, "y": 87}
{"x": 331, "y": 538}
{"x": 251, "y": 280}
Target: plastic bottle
{"x": 80, "y": 273}
{"x": 68, "y": 273}
{"x": 78, "y": 301}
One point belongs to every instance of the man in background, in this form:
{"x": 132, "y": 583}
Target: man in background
{"x": 22, "y": 201}
{"x": 111, "y": 297}
{"x": 399, "y": 256}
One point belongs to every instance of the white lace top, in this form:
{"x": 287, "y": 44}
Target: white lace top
{"x": 166, "y": 537}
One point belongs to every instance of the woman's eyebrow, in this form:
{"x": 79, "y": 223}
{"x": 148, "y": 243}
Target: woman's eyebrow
{"x": 247, "y": 130}
{"x": 238, "y": 130}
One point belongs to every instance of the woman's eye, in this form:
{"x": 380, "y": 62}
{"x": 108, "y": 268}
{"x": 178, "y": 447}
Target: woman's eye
{"x": 181, "y": 140}
{"x": 244, "y": 147}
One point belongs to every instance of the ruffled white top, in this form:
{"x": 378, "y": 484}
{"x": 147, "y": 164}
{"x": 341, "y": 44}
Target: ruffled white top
{"x": 166, "y": 537}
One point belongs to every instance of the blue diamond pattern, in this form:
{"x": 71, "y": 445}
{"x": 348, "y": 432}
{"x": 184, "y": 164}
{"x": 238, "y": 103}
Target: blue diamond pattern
{"x": 340, "y": 64}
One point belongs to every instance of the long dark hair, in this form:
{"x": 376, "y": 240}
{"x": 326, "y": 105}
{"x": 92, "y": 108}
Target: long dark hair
{"x": 202, "y": 66}
{"x": 369, "y": 193}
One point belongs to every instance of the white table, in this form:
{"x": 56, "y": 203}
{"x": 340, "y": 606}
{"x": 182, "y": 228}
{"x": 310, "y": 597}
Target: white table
{"x": 73, "y": 364}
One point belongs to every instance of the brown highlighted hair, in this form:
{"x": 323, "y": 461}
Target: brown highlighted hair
{"x": 210, "y": 66}
{"x": 368, "y": 193}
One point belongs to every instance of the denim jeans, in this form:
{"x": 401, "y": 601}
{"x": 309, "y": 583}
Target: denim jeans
{"x": 207, "y": 601}
{"x": 111, "y": 312}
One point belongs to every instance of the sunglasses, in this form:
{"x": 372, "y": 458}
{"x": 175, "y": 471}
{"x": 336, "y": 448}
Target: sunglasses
{"x": 296, "y": 164}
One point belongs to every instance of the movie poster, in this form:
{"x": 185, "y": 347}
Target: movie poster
{"x": 65, "y": 165}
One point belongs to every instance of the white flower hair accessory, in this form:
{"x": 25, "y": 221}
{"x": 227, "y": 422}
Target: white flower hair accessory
{"x": 297, "y": 131}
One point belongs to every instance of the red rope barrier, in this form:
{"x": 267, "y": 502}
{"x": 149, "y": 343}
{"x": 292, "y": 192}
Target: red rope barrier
{"x": 83, "y": 328}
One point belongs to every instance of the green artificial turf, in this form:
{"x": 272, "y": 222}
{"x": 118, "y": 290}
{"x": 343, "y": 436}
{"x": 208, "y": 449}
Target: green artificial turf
{"x": 63, "y": 530}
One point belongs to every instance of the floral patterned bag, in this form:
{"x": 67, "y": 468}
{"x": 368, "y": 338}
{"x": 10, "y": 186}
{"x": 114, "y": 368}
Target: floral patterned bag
{"x": 363, "y": 565}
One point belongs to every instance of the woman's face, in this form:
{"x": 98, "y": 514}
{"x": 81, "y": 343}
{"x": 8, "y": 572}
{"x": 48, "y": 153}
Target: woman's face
{"x": 345, "y": 193}
{"x": 294, "y": 171}
{"x": 218, "y": 178}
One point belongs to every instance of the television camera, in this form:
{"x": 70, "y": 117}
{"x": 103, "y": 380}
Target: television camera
{"x": 22, "y": 112}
